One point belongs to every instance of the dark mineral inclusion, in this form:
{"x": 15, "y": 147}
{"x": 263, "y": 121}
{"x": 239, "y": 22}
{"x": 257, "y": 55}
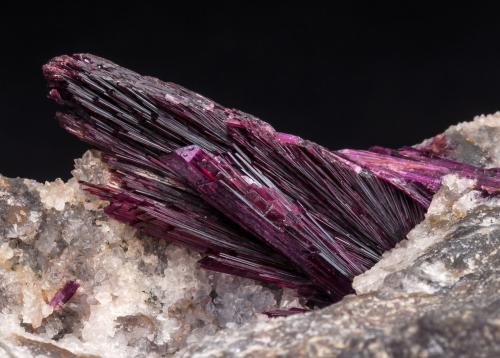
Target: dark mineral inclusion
{"x": 257, "y": 203}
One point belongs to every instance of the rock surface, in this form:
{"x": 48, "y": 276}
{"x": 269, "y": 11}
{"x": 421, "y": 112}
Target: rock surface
{"x": 435, "y": 294}
{"x": 474, "y": 142}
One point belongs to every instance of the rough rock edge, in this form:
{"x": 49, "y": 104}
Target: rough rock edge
{"x": 474, "y": 142}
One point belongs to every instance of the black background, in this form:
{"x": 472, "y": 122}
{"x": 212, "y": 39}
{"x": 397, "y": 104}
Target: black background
{"x": 344, "y": 77}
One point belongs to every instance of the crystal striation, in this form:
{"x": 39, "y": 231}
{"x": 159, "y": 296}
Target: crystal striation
{"x": 256, "y": 202}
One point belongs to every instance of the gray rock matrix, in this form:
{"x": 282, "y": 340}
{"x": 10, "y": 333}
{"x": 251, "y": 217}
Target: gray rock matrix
{"x": 436, "y": 294}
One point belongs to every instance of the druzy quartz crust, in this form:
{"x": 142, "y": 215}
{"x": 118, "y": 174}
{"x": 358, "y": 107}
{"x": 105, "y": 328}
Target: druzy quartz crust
{"x": 255, "y": 202}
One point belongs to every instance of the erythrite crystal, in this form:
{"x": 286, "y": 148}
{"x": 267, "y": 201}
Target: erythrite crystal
{"x": 258, "y": 203}
{"x": 284, "y": 313}
{"x": 64, "y": 294}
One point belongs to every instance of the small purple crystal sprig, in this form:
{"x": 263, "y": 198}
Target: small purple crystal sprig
{"x": 257, "y": 203}
{"x": 64, "y": 294}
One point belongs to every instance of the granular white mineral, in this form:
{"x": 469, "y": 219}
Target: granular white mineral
{"x": 139, "y": 296}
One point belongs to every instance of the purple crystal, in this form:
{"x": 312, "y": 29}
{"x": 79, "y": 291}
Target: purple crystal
{"x": 64, "y": 294}
{"x": 284, "y": 312}
{"x": 258, "y": 203}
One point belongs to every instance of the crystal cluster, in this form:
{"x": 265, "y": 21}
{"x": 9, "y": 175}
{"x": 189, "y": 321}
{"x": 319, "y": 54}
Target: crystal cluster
{"x": 255, "y": 202}
{"x": 193, "y": 184}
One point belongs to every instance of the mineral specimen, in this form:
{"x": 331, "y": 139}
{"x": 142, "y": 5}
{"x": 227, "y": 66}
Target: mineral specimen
{"x": 195, "y": 184}
{"x": 258, "y": 203}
